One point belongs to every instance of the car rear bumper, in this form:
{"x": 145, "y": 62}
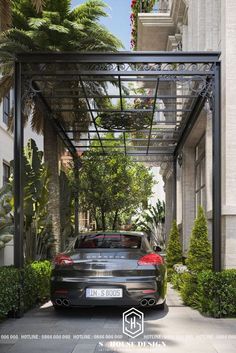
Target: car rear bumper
{"x": 72, "y": 291}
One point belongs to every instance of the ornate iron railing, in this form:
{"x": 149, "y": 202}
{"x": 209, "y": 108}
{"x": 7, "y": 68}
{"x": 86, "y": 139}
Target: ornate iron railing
{"x": 159, "y": 6}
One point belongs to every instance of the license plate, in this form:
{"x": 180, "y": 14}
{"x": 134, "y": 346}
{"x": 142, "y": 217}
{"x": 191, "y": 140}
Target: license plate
{"x": 104, "y": 292}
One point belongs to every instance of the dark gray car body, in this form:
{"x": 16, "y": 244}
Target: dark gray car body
{"x": 109, "y": 268}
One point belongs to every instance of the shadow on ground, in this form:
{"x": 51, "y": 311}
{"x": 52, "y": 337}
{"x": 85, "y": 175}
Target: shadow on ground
{"x": 102, "y": 312}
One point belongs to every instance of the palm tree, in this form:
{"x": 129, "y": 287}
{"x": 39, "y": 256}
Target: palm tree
{"x": 5, "y": 12}
{"x": 56, "y": 28}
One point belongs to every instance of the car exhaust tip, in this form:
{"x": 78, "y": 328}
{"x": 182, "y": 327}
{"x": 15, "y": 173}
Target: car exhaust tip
{"x": 65, "y": 302}
{"x": 151, "y": 302}
{"x": 144, "y": 302}
{"x": 58, "y": 302}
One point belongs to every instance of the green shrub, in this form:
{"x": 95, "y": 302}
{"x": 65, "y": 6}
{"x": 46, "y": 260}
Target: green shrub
{"x": 30, "y": 287}
{"x": 174, "y": 249}
{"x": 217, "y": 293}
{"x": 176, "y": 280}
{"x": 35, "y": 287}
{"x": 9, "y": 287}
{"x": 36, "y": 282}
{"x": 189, "y": 289}
{"x": 43, "y": 270}
{"x": 199, "y": 255}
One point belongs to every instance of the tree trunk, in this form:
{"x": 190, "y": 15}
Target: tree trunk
{"x": 115, "y": 221}
{"x": 5, "y": 15}
{"x": 103, "y": 220}
{"x": 51, "y": 160}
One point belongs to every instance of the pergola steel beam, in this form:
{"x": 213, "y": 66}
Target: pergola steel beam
{"x": 117, "y": 96}
{"x": 90, "y": 111}
{"x": 94, "y": 110}
{"x": 124, "y": 74}
{"x": 153, "y": 113}
{"x": 120, "y": 57}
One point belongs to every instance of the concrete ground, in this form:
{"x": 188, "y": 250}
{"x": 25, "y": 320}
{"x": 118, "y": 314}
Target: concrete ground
{"x": 177, "y": 329}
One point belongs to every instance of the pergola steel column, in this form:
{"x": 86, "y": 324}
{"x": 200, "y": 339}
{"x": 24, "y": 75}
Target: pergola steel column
{"x": 76, "y": 196}
{"x": 18, "y": 172}
{"x": 174, "y": 189}
{"x": 216, "y": 170}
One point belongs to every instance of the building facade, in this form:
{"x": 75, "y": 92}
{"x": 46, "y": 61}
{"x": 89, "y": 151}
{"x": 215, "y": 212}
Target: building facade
{"x": 200, "y": 25}
{"x": 6, "y": 138}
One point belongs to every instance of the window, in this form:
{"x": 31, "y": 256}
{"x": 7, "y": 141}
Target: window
{"x": 6, "y": 173}
{"x": 6, "y": 108}
{"x": 200, "y": 182}
{"x": 109, "y": 241}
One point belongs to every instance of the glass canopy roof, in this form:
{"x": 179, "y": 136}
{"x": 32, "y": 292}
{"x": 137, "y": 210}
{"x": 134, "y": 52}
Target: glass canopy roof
{"x": 138, "y": 103}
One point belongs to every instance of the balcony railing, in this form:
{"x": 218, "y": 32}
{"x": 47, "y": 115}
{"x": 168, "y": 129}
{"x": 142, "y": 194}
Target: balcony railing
{"x": 159, "y": 6}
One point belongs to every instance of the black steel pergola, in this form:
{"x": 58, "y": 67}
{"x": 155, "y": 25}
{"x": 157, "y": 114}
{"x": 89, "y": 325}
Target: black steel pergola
{"x": 145, "y": 102}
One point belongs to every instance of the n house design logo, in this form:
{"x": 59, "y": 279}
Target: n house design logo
{"x": 133, "y": 323}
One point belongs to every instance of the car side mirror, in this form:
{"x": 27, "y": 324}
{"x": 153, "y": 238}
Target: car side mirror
{"x": 157, "y": 248}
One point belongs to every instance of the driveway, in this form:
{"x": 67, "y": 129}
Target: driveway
{"x": 178, "y": 329}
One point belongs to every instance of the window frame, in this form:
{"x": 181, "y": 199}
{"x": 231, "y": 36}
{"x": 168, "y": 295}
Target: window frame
{"x": 200, "y": 174}
{"x": 6, "y": 108}
{"x": 5, "y": 165}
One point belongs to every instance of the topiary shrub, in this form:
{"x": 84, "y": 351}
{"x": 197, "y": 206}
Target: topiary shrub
{"x": 174, "y": 249}
{"x": 199, "y": 255}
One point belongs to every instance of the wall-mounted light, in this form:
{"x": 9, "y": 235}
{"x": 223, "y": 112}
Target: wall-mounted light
{"x": 180, "y": 159}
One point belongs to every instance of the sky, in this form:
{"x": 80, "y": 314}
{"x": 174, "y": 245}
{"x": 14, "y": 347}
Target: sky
{"x": 118, "y": 21}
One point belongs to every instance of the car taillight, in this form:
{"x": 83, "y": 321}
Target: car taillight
{"x": 63, "y": 260}
{"x": 151, "y": 259}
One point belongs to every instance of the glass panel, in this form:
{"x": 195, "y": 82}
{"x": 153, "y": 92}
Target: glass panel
{"x": 6, "y": 108}
{"x": 203, "y": 175}
{"x": 201, "y": 147}
{"x": 198, "y": 180}
{"x": 6, "y": 173}
{"x": 203, "y": 198}
{"x": 197, "y": 201}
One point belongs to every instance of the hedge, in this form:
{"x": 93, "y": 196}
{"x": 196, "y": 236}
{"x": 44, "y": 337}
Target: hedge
{"x": 216, "y": 293}
{"x": 9, "y": 286}
{"x": 35, "y": 280}
{"x": 212, "y": 293}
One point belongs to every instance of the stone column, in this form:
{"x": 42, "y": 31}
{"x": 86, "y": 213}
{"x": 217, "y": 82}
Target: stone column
{"x": 188, "y": 187}
{"x": 168, "y": 187}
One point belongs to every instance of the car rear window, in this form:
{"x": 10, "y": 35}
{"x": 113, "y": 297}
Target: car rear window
{"x": 108, "y": 241}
